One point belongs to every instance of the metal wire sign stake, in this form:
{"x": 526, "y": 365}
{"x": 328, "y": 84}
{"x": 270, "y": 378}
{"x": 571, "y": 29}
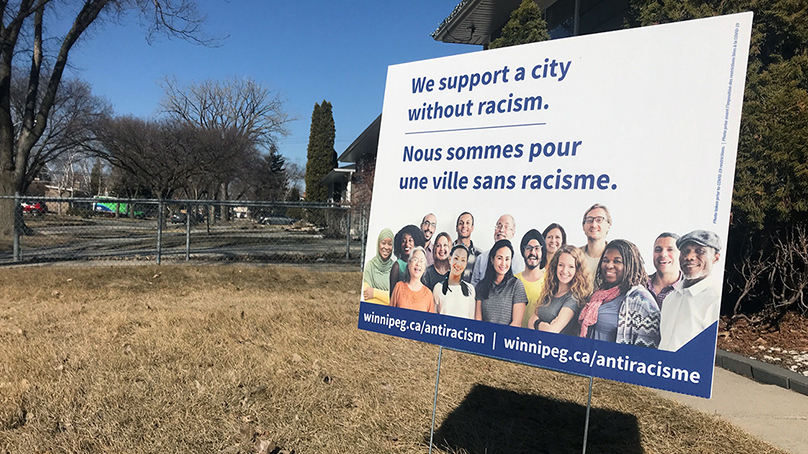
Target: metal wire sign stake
{"x": 435, "y": 400}
{"x": 435, "y": 406}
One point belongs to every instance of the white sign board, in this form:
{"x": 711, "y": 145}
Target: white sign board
{"x": 643, "y": 121}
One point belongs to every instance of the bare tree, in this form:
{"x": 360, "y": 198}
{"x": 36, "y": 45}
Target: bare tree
{"x": 69, "y": 127}
{"x": 66, "y": 172}
{"x": 262, "y": 178}
{"x": 296, "y": 174}
{"x": 772, "y": 275}
{"x": 122, "y": 183}
{"x": 241, "y": 106}
{"x": 161, "y": 156}
{"x": 22, "y": 37}
{"x": 753, "y": 268}
{"x": 246, "y": 116}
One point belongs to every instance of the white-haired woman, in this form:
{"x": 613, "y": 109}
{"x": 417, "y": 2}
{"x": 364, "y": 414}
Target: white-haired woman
{"x": 411, "y": 293}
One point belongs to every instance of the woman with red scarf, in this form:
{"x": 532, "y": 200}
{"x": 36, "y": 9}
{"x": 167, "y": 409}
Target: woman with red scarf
{"x": 621, "y": 310}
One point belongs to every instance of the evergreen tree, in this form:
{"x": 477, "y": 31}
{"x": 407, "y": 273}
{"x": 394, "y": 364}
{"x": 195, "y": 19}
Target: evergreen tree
{"x": 769, "y": 229}
{"x": 322, "y": 158}
{"x": 272, "y": 181}
{"x": 525, "y": 26}
{"x": 294, "y": 196}
{"x": 771, "y": 181}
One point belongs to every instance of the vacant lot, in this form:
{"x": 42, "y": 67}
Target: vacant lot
{"x": 184, "y": 359}
{"x": 68, "y": 238}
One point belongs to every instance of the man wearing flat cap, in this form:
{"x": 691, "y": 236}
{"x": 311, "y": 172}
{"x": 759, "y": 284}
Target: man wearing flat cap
{"x": 695, "y": 302}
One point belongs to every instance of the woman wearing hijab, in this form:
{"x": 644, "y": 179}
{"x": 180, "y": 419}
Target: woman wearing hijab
{"x": 501, "y": 297}
{"x": 407, "y": 239}
{"x": 411, "y": 293}
{"x": 621, "y": 310}
{"x": 376, "y": 277}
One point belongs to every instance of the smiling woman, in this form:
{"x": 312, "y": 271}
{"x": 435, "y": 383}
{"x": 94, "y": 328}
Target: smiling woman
{"x": 566, "y": 288}
{"x": 405, "y": 240}
{"x": 412, "y": 293}
{"x": 621, "y": 310}
{"x": 501, "y": 297}
{"x": 437, "y": 272}
{"x": 376, "y": 278}
{"x": 454, "y": 296}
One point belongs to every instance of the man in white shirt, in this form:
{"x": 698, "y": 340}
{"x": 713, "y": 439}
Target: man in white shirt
{"x": 695, "y": 301}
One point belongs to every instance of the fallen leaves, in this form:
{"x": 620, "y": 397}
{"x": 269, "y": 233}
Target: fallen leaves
{"x": 254, "y": 442}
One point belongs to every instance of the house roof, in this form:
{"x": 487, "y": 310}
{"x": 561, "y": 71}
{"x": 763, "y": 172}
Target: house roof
{"x": 474, "y": 21}
{"x": 367, "y": 143}
{"x": 340, "y": 174}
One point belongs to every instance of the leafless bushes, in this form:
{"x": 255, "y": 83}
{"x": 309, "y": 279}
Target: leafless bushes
{"x": 788, "y": 278}
{"x": 772, "y": 273}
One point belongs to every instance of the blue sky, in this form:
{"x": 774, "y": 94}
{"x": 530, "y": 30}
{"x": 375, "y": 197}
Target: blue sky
{"x": 306, "y": 51}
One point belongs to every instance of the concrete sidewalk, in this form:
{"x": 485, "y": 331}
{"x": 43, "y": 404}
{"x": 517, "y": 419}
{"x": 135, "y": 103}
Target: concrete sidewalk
{"x": 776, "y": 415}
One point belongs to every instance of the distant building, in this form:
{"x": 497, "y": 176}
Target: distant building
{"x": 51, "y": 190}
{"x": 360, "y": 157}
{"x": 339, "y": 184}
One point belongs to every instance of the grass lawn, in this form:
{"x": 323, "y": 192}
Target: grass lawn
{"x": 198, "y": 359}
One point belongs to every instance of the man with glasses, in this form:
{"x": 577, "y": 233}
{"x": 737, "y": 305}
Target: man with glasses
{"x": 596, "y": 223}
{"x": 428, "y": 225}
{"x": 533, "y": 251}
{"x": 504, "y": 229}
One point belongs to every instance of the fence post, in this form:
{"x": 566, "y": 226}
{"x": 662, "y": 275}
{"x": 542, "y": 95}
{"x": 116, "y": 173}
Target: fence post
{"x": 17, "y": 221}
{"x": 207, "y": 218}
{"x": 348, "y": 238}
{"x": 188, "y": 232}
{"x": 159, "y": 231}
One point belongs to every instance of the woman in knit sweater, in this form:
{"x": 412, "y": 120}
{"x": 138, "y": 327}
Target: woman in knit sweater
{"x": 621, "y": 310}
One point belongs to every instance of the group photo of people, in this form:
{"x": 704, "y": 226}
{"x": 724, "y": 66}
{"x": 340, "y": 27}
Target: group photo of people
{"x": 598, "y": 289}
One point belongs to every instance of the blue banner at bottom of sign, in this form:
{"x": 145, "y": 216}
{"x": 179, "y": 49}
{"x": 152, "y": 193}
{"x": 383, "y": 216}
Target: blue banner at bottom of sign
{"x": 688, "y": 370}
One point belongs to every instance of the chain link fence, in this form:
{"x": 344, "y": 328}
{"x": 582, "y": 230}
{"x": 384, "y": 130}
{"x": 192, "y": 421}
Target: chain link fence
{"x": 48, "y": 229}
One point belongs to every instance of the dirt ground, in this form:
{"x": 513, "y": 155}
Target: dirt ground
{"x": 784, "y": 345}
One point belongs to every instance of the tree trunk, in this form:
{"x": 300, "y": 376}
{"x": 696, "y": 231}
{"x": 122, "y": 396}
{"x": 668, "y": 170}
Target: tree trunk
{"x": 6, "y": 205}
{"x": 223, "y": 210}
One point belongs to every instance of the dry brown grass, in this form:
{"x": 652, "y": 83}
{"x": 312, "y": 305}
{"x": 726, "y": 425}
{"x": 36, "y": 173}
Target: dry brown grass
{"x": 183, "y": 359}
{"x": 6, "y": 244}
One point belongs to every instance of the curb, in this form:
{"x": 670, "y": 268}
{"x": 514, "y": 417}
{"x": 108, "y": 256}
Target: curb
{"x": 761, "y": 372}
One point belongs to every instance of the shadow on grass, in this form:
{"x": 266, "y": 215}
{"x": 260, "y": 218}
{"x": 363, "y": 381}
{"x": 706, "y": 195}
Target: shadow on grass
{"x": 492, "y": 420}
